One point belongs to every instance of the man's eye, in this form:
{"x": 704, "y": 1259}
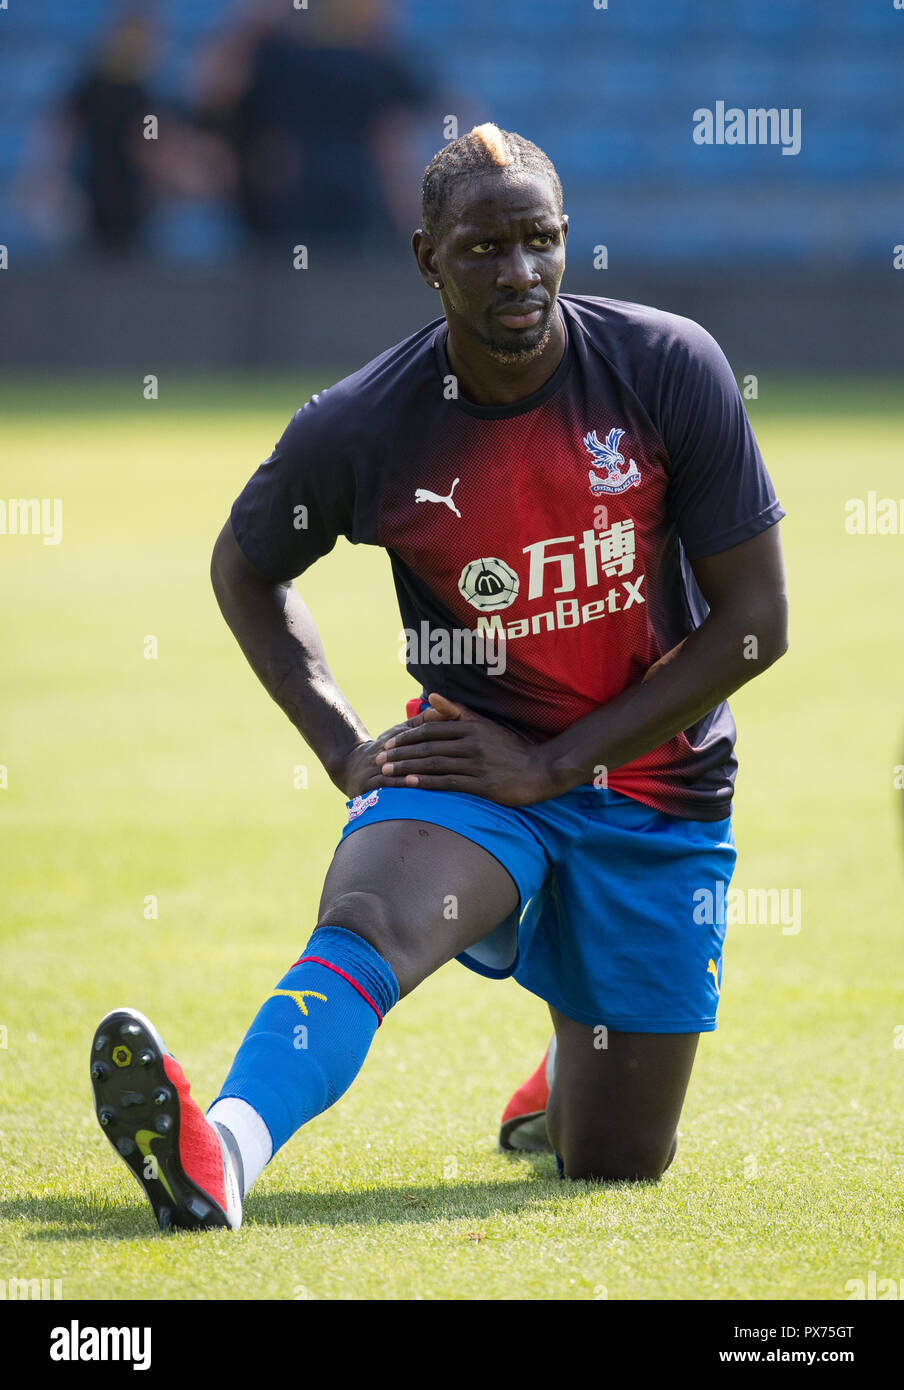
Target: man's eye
{"x": 482, "y": 248}
{"x": 544, "y": 237}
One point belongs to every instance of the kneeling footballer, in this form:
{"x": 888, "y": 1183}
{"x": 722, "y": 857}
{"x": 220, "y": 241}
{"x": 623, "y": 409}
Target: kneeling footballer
{"x": 573, "y": 483}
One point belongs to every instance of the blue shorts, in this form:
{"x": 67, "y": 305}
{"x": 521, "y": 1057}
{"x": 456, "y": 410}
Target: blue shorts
{"x": 606, "y": 929}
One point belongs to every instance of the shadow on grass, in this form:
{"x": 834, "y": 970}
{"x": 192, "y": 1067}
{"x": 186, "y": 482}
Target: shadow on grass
{"x": 97, "y": 1218}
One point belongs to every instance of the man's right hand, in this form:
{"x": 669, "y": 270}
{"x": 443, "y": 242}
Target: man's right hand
{"x": 359, "y": 772}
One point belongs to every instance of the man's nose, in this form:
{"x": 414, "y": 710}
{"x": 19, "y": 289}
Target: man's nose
{"x": 517, "y": 273}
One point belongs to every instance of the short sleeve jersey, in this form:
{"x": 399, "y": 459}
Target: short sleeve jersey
{"x": 558, "y": 528}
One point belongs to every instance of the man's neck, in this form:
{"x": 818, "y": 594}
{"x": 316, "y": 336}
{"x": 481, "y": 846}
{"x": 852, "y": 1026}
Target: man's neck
{"x": 485, "y": 381}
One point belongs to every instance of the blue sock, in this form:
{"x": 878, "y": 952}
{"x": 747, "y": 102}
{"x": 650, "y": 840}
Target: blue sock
{"x": 309, "y": 1039}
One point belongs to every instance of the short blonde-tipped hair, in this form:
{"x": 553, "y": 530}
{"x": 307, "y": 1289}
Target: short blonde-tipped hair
{"x": 483, "y": 149}
{"x": 493, "y": 141}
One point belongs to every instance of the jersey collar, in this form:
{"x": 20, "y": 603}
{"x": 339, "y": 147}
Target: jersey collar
{"x": 506, "y": 412}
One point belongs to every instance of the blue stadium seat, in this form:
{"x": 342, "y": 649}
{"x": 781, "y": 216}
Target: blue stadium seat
{"x": 77, "y": 22}
{"x": 507, "y": 77}
{"x": 202, "y": 231}
{"x": 198, "y": 17}
{"x": 33, "y": 75}
{"x": 657, "y": 22}
{"x": 861, "y": 80}
{"x": 736, "y": 76}
{"x": 12, "y": 145}
{"x": 838, "y": 150}
{"x": 775, "y": 18}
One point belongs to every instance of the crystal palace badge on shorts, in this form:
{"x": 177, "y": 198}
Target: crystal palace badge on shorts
{"x": 362, "y": 803}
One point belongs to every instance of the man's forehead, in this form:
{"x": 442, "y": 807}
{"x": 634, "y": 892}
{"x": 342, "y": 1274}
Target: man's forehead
{"x": 495, "y": 200}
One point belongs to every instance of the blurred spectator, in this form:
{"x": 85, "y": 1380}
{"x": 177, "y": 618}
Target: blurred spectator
{"x": 91, "y": 173}
{"x": 104, "y": 113}
{"x": 320, "y": 120}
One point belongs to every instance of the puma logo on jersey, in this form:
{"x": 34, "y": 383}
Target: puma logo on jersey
{"x": 712, "y": 970}
{"x": 423, "y": 495}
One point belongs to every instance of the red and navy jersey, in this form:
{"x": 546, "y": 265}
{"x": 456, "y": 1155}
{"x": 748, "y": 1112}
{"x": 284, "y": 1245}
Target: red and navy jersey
{"x": 557, "y": 529}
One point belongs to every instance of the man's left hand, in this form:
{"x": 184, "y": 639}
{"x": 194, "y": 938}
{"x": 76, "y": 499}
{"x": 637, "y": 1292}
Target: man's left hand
{"x": 449, "y": 748}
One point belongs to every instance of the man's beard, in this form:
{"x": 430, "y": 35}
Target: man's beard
{"x": 514, "y": 354}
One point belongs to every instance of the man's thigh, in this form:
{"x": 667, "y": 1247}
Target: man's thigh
{"x": 417, "y": 892}
{"x": 616, "y": 1098}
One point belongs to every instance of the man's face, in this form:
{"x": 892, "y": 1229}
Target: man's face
{"x": 501, "y": 259}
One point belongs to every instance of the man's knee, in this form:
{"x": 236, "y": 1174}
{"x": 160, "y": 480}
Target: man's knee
{"x": 641, "y": 1161}
{"x": 371, "y": 916}
{"x": 366, "y": 914}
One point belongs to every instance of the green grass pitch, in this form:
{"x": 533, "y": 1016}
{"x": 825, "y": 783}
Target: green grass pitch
{"x": 173, "y": 779}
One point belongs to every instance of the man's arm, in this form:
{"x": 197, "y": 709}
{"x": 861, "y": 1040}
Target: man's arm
{"x": 454, "y": 749}
{"x": 745, "y": 631}
{"x": 276, "y": 632}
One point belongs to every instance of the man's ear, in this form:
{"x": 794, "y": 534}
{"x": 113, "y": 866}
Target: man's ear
{"x": 425, "y": 255}
{"x": 564, "y": 226}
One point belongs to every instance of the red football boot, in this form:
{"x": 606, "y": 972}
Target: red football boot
{"x": 524, "y": 1119}
{"x": 189, "y": 1169}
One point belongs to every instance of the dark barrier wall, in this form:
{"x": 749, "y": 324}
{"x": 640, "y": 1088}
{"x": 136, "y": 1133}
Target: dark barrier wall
{"x": 148, "y": 315}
